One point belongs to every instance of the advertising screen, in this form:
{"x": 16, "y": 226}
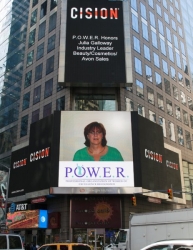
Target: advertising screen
{"x": 95, "y": 43}
{"x": 95, "y": 212}
{"x": 95, "y": 150}
{"x": 27, "y": 219}
{"x": 18, "y": 171}
{"x": 173, "y": 173}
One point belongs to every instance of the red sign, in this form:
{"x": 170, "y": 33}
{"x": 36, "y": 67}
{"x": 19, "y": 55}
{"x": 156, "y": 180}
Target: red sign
{"x": 38, "y": 200}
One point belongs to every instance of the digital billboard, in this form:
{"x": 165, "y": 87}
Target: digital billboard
{"x": 18, "y": 172}
{"x": 95, "y": 51}
{"x": 156, "y": 168}
{"x": 95, "y": 150}
{"x": 27, "y": 219}
{"x": 95, "y": 212}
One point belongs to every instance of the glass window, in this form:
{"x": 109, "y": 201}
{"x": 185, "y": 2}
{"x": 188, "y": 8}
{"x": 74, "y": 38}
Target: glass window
{"x": 171, "y": 10}
{"x": 134, "y": 4}
{"x": 28, "y": 78}
{"x": 48, "y": 88}
{"x": 47, "y": 110}
{"x": 173, "y": 73}
{"x": 160, "y": 27}
{"x": 40, "y": 51}
{"x": 143, "y": 11}
{"x": 190, "y": 103}
{"x": 178, "y": 60}
{"x": 176, "y": 4}
{"x": 158, "y": 8}
{"x": 182, "y": 47}
{"x": 139, "y": 89}
{"x": 165, "y": 4}
{"x": 180, "y": 31}
{"x": 34, "y": 2}
{"x": 188, "y": 140}
{"x": 35, "y": 115}
{"x": 135, "y": 24}
{"x": 165, "y": 67}
{"x": 50, "y": 65}
{"x": 176, "y": 41}
{"x": 175, "y": 92}
{"x": 169, "y": 107}
{"x": 14, "y": 242}
{"x": 168, "y": 34}
{"x": 158, "y": 80}
{"x": 180, "y": 136}
{"x": 38, "y": 72}
{"x": 146, "y": 52}
{"x": 26, "y": 101}
{"x": 152, "y": 116}
{"x": 138, "y": 66}
{"x": 145, "y": 31}
{"x": 180, "y": 79}
{"x": 129, "y": 105}
{"x": 37, "y": 94}
{"x": 150, "y": 3}
{"x": 163, "y": 46}
{"x": 150, "y": 95}
{"x": 183, "y": 97}
{"x": 148, "y": 73}
{"x": 60, "y": 103}
{"x": 51, "y": 43}
{"x": 178, "y": 17}
{"x": 52, "y": 21}
{"x": 30, "y": 58}
{"x": 33, "y": 18}
{"x": 171, "y": 131}
{"x": 24, "y": 126}
{"x": 162, "y": 123}
{"x": 154, "y": 38}
{"x": 152, "y": 19}
{"x": 166, "y": 17}
{"x": 167, "y": 86}
{"x": 32, "y": 36}
{"x": 42, "y": 30}
{"x": 173, "y": 25}
{"x": 141, "y": 110}
{"x": 185, "y": 117}
{"x": 53, "y": 4}
{"x": 156, "y": 60}
{"x": 191, "y": 121}
{"x": 171, "y": 54}
{"x": 160, "y": 101}
{"x": 185, "y": 66}
{"x": 136, "y": 44}
{"x": 43, "y": 10}
{"x": 177, "y": 113}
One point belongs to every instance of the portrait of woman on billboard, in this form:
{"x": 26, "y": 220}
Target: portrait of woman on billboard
{"x": 96, "y": 145}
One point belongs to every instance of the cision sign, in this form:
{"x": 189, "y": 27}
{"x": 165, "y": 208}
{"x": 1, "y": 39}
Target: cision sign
{"x": 95, "y": 43}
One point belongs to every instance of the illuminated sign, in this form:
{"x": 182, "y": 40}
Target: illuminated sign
{"x": 27, "y": 219}
{"x": 95, "y": 43}
{"x": 77, "y": 167}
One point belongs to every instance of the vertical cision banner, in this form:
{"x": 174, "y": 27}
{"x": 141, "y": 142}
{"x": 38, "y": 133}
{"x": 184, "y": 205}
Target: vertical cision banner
{"x": 95, "y": 43}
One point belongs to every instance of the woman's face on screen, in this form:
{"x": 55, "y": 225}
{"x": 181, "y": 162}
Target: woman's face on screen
{"x": 95, "y": 136}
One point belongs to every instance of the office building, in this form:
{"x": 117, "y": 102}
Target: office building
{"x": 63, "y": 55}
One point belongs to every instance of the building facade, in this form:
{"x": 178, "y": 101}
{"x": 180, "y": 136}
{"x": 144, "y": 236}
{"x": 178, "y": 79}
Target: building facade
{"x": 150, "y": 73}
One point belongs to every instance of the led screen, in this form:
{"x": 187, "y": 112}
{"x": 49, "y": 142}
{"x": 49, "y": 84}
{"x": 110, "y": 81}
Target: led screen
{"x": 95, "y": 43}
{"x": 114, "y": 168}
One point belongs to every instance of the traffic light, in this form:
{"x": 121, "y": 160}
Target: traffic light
{"x": 134, "y": 202}
{"x": 170, "y": 193}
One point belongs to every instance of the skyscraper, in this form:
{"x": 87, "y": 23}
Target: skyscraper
{"x": 148, "y": 66}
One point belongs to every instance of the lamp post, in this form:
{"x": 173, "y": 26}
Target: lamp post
{"x": 7, "y": 189}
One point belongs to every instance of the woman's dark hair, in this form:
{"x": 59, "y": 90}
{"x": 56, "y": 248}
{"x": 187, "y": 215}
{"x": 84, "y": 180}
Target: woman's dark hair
{"x": 92, "y": 126}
